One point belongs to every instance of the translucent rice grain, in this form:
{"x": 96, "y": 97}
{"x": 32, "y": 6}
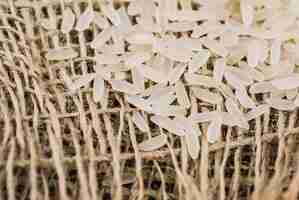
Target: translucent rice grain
{"x": 276, "y": 71}
{"x": 207, "y": 96}
{"x": 139, "y": 102}
{"x": 296, "y": 101}
{"x": 215, "y": 47}
{"x": 193, "y": 15}
{"x": 137, "y": 58}
{"x": 124, "y": 86}
{"x": 148, "y": 11}
{"x": 244, "y": 99}
{"x": 176, "y": 73}
{"x": 247, "y": 12}
{"x": 235, "y": 81}
{"x": 194, "y": 79}
{"x": 254, "y": 53}
{"x": 140, "y": 122}
{"x": 253, "y": 73}
{"x": 286, "y": 82}
{"x": 68, "y": 21}
{"x": 182, "y": 95}
{"x": 177, "y": 54}
{"x": 125, "y": 26}
{"x": 233, "y": 108}
{"x": 138, "y": 79}
{"x": 164, "y": 96}
{"x": 180, "y": 26}
{"x": 152, "y": 74}
{"x": 244, "y": 77}
{"x": 134, "y": 8}
{"x": 206, "y": 28}
{"x": 291, "y": 94}
{"x": 157, "y": 89}
{"x": 275, "y": 52}
{"x": 108, "y": 59}
{"x": 226, "y": 91}
{"x": 229, "y": 39}
{"x": 281, "y": 104}
{"x": 203, "y": 116}
{"x": 193, "y": 145}
{"x": 153, "y": 143}
{"x": 171, "y": 110}
{"x": 164, "y": 100}
{"x": 110, "y": 12}
{"x": 101, "y": 38}
{"x": 98, "y": 89}
{"x": 168, "y": 124}
{"x": 257, "y": 112}
{"x": 61, "y": 54}
{"x": 171, "y": 8}
{"x": 140, "y": 38}
{"x": 219, "y": 68}
{"x": 192, "y": 133}
{"x": 229, "y": 119}
{"x": 261, "y": 87}
{"x": 214, "y": 130}
{"x": 100, "y": 20}
{"x": 85, "y": 19}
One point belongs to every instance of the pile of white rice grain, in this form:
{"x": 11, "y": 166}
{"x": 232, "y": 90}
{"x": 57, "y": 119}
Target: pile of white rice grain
{"x": 170, "y": 59}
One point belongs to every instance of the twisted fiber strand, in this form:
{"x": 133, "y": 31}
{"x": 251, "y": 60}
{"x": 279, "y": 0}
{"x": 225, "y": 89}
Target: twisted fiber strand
{"x": 45, "y": 162}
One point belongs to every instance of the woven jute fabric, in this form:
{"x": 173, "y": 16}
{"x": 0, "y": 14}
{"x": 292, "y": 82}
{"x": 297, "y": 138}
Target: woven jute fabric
{"x": 56, "y": 144}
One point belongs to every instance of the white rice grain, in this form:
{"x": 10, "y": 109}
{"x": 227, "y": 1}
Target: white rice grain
{"x": 153, "y": 143}
{"x": 85, "y": 19}
{"x": 140, "y": 122}
{"x": 138, "y": 79}
{"x": 101, "y": 38}
{"x": 244, "y": 99}
{"x": 203, "y": 116}
{"x": 124, "y": 86}
{"x": 108, "y": 59}
{"x": 215, "y": 46}
{"x": 68, "y": 21}
{"x": 275, "y": 51}
{"x": 247, "y": 12}
{"x": 139, "y": 102}
{"x": 168, "y": 124}
{"x": 98, "y": 89}
{"x": 140, "y": 38}
{"x": 261, "y": 87}
{"x": 176, "y": 73}
{"x": 233, "y": 108}
{"x": 100, "y": 20}
{"x": 254, "y": 53}
{"x": 110, "y": 12}
{"x": 281, "y": 104}
{"x": 195, "y": 79}
{"x": 219, "y": 68}
{"x": 286, "y": 82}
{"x": 152, "y": 74}
{"x": 206, "y": 95}
{"x": 182, "y": 95}
{"x": 214, "y": 130}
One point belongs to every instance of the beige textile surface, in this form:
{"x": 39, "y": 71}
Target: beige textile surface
{"x": 56, "y": 144}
